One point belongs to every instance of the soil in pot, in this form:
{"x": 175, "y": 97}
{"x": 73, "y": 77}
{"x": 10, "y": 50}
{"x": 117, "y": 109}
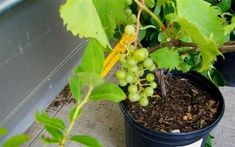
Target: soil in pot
{"x": 185, "y": 108}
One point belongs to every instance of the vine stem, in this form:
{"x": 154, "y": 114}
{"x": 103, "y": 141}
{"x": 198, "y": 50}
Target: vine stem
{"x": 78, "y": 108}
{"x": 226, "y": 48}
{"x": 138, "y": 23}
{"x": 162, "y": 26}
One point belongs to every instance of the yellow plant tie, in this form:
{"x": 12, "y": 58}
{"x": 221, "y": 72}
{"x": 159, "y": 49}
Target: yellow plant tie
{"x": 114, "y": 56}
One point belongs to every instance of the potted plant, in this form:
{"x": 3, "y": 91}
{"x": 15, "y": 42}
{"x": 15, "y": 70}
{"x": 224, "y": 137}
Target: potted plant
{"x": 151, "y": 40}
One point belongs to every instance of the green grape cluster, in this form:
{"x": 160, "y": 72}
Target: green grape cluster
{"x": 130, "y": 16}
{"x": 129, "y": 2}
{"x": 135, "y": 63}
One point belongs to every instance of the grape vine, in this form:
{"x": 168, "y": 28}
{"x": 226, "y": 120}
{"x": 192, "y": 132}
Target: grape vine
{"x": 169, "y": 34}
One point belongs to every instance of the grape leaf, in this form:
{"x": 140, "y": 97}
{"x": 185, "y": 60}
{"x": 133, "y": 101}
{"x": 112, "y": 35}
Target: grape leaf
{"x": 72, "y": 113}
{"x": 162, "y": 2}
{"x": 184, "y": 67}
{"x": 81, "y": 18}
{"x": 207, "y": 46}
{"x": 225, "y": 5}
{"x": 166, "y": 58}
{"x": 86, "y": 140}
{"x": 44, "y": 119}
{"x": 229, "y": 28}
{"x": 213, "y": 2}
{"x": 217, "y": 77}
{"x": 55, "y": 133}
{"x": 90, "y": 79}
{"x": 108, "y": 91}
{"x": 111, "y": 13}
{"x": 156, "y": 11}
{"x": 3, "y": 132}
{"x": 75, "y": 87}
{"x": 203, "y": 16}
{"x": 48, "y": 140}
{"x": 16, "y": 141}
{"x": 93, "y": 58}
{"x": 150, "y": 3}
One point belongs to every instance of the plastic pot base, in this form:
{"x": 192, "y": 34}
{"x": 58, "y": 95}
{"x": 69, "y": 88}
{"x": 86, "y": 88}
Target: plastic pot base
{"x": 139, "y": 136}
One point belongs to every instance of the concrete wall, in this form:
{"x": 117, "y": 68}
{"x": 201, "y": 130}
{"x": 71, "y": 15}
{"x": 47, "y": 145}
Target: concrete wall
{"x": 36, "y": 57}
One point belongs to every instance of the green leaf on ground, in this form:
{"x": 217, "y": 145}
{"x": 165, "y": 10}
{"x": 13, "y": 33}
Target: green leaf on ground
{"x": 3, "y": 132}
{"x": 166, "y": 58}
{"x": 108, "y": 91}
{"x": 16, "y": 141}
{"x": 209, "y": 141}
{"x": 75, "y": 87}
{"x": 204, "y": 17}
{"x": 81, "y": 18}
{"x": 111, "y": 12}
{"x": 86, "y": 140}
{"x": 44, "y": 119}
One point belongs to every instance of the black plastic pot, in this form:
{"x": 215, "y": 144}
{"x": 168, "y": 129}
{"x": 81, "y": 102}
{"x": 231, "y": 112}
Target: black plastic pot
{"x": 227, "y": 68}
{"x": 139, "y": 136}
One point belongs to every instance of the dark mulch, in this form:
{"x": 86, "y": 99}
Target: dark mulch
{"x": 62, "y": 98}
{"x": 186, "y": 108}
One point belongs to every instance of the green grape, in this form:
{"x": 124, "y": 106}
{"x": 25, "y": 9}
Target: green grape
{"x": 142, "y": 95}
{"x": 134, "y": 97}
{"x": 122, "y": 59}
{"x": 122, "y": 83}
{"x": 133, "y": 18}
{"x": 153, "y": 85}
{"x": 129, "y": 2}
{"x": 148, "y": 91}
{"x": 129, "y": 29}
{"x": 152, "y": 68}
{"x": 150, "y": 77}
{"x": 130, "y": 78}
{"x": 144, "y": 102}
{"x": 131, "y": 62}
{"x": 148, "y": 63}
{"x": 131, "y": 47}
{"x": 120, "y": 74}
{"x": 128, "y": 12}
{"x": 133, "y": 69}
{"x": 141, "y": 72}
{"x": 140, "y": 54}
{"x": 132, "y": 89}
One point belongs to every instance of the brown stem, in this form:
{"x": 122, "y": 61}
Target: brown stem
{"x": 232, "y": 42}
{"x": 161, "y": 79}
{"x": 138, "y": 23}
{"x": 227, "y": 47}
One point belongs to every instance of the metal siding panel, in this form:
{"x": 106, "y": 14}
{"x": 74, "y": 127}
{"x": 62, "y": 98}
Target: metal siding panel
{"x": 33, "y": 44}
